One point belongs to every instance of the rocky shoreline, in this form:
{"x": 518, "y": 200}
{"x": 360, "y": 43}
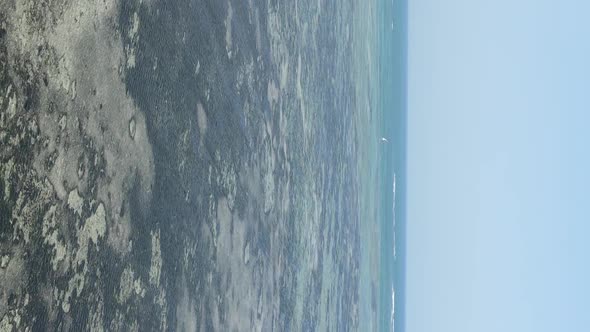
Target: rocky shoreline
{"x": 186, "y": 166}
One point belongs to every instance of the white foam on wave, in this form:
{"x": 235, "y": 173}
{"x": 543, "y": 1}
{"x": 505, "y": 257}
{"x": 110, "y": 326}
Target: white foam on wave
{"x": 394, "y": 253}
{"x": 392, "y": 307}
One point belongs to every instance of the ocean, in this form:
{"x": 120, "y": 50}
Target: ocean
{"x": 383, "y": 173}
{"x": 393, "y": 73}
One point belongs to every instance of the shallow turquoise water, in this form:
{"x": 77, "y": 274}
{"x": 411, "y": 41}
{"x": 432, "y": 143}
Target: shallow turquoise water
{"x": 380, "y": 60}
{"x": 392, "y": 162}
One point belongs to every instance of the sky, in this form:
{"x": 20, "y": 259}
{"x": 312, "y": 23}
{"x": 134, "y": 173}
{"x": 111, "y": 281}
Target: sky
{"x": 498, "y": 227}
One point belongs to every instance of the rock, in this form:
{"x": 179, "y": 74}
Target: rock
{"x": 4, "y": 262}
{"x": 132, "y": 128}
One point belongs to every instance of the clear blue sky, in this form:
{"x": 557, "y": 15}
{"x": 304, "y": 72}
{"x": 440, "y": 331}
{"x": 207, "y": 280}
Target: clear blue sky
{"x": 498, "y": 166}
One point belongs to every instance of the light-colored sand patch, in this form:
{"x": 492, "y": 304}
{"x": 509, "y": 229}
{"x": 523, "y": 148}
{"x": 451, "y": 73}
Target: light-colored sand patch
{"x": 284, "y": 73}
{"x": 247, "y": 254}
{"x": 95, "y": 225}
{"x": 161, "y": 301}
{"x": 13, "y": 275}
{"x": 26, "y": 210}
{"x": 299, "y": 88}
{"x": 75, "y": 202}
{"x": 4, "y": 261}
{"x": 272, "y": 93}
{"x": 130, "y": 51}
{"x": 119, "y": 232}
{"x": 6, "y": 324}
{"x": 63, "y": 122}
{"x": 96, "y": 317}
{"x": 12, "y": 103}
{"x": 86, "y": 87}
{"x": 202, "y": 127}
{"x": 50, "y": 233}
{"x": 257, "y": 30}
{"x": 89, "y": 148}
{"x": 201, "y": 121}
{"x": 186, "y": 314}
{"x": 134, "y": 26}
{"x": 8, "y": 170}
{"x": 156, "y": 261}
{"x": 126, "y": 285}
{"x": 223, "y": 214}
{"x": 130, "y": 286}
{"x": 227, "y": 179}
{"x": 267, "y": 171}
{"x": 228, "y": 32}
{"x": 234, "y": 267}
{"x": 269, "y": 192}
{"x": 93, "y": 230}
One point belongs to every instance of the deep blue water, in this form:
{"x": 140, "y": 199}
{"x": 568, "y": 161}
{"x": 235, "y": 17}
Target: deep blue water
{"x": 393, "y": 73}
